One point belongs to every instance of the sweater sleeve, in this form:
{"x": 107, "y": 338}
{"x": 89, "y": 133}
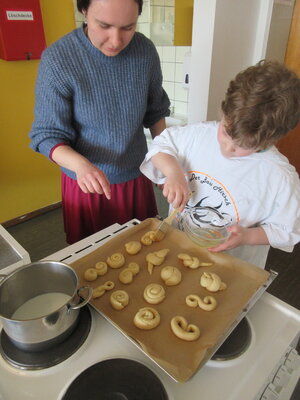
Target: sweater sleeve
{"x": 53, "y": 110}
{"x": 158, "y": 100}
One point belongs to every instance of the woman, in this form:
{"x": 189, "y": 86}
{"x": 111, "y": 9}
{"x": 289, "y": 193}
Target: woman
{"x": 97, "y": 88}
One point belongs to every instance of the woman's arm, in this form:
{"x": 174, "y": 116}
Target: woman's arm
{"x": 176, "y": 189}
{"x": 89, "y": 178}
{"x": 158, "y": 127}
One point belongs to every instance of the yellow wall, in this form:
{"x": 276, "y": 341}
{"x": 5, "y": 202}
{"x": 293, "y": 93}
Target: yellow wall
{"x": 28, "y": 180}
{"x": 183, "y": 22}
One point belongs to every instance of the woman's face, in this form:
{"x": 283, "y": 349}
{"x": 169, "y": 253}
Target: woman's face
{"x": 111, "y": 24}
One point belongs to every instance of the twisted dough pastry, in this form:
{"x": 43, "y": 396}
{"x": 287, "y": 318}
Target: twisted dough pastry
{"x": 209, "y": 303}
{"x": 170, "y": 275}
{"x": 156, "y": 258}
{"x": 154, "y": 293}
{"x": 126, "y": 276}
{"x": 90, "y": 274}
{"x": 100, "y": 290}
{"x": 116, "y": 260}
{"x": 212, "y": 282}
{"x": 133, "y": 247}
{"x": 146, "y": 318}
{"x": 101, "y": 268}
{"x": 192, "y": 262}
{"x": 183, "y": 330}
{"x": 119, "y": 299}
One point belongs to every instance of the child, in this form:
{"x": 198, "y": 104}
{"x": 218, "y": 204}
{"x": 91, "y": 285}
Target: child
{"x": 234, "y": 166}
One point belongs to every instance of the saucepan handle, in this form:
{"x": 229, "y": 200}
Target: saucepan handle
{"x": 85, "y": 301}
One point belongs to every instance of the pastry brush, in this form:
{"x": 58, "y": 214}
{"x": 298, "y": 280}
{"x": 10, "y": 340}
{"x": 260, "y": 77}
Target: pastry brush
{"x": 161, "y": 230}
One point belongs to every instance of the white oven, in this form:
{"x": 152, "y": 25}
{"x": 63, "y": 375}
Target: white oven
{"x": 267, "y": 369}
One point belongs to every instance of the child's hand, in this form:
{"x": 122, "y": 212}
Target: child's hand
{"x": 176, "y": 191}
{"x": 237, "y": 237}
{"x": 240, "y": 235}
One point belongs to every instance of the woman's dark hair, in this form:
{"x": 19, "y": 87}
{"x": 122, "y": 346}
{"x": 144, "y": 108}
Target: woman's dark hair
{"x": 83, "y": 5}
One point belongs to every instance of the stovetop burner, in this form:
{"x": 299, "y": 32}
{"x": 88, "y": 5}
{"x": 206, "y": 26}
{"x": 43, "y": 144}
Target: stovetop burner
{"x": 49, "y": 357}
{"x": 236, "y": 343}
{"x": 116, "y": 379}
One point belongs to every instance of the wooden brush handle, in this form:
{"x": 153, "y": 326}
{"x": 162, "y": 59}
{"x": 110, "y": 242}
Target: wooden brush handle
{"x": 170, "y": 218}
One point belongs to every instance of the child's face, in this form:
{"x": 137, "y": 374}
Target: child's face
{"x": 227, "y": 145}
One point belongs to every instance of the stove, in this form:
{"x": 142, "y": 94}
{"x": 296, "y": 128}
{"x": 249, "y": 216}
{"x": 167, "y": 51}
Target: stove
{"x": 267, "y": 368}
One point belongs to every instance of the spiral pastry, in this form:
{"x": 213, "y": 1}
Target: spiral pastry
{"x": 209, "y": 303}
{"x": 154, "y": 293}
{"x": 100, "y": 290}
{"x": 101, "y": 268}
{"x": 170, "y": 275}
{"x": 119, "y": 299}
{"x": 146, "y": 318}
{"x": 212, "y": 282}
{"x": 133, "y": 247}
{"x": 183, "y": 330}
{"x": 116, "y": 260}
{"x": 90, "y": 274}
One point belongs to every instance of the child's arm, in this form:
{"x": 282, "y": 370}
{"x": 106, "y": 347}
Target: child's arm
{"x": 176, "y": 189}
{"x": 240, "y": 235}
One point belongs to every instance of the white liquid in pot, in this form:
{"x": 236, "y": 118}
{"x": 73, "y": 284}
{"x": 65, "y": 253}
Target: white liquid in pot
{"x": 41, "y": 305}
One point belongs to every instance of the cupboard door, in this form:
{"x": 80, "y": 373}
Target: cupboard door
{"x": 290, "y": 145}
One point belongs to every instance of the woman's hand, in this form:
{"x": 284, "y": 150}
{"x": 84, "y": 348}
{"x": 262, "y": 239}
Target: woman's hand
{"x": 240, "y": 236}
{"x": 89, "y": 178}
{"x": 92, "y": 180}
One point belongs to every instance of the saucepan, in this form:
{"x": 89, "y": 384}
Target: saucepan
{"x": 40, "y": 304}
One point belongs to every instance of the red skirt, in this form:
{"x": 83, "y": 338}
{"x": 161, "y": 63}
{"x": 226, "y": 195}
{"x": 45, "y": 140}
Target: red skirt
{"x": 85, "y": 214}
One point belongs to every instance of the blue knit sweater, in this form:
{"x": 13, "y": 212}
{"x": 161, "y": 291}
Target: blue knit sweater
{"x": 98, "y": 104}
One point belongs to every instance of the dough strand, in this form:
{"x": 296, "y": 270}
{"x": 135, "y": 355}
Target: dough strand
{"x": 192, "y": 262}
{"x": 183, "y": 330}
{"x": 100, "y": 290}
{"x": 209, "y": 303}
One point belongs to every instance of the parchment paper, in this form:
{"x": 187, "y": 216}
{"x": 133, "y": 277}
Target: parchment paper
{"x": 181, "y": 359}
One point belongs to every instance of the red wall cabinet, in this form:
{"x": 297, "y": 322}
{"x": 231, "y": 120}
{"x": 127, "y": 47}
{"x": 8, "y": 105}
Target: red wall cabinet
{"x": 21, "y": 30}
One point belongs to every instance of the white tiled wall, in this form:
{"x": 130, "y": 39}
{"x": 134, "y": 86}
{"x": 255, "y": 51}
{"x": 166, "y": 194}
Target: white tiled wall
{"x": 172, "y": 64}
{"x": 171, "y": 57}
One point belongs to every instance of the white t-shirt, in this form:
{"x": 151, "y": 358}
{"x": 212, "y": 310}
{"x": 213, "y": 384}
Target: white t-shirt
{"x": 260, "y": 189}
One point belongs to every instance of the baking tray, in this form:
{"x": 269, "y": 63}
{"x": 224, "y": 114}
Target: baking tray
{"x": 180, "y": 359}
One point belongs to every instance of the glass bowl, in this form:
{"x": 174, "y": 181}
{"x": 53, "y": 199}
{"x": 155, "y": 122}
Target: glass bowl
{"x": 206, "y": 226}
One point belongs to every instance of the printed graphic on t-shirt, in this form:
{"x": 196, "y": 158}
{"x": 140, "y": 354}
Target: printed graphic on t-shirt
{"x": 208, "y": 192}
